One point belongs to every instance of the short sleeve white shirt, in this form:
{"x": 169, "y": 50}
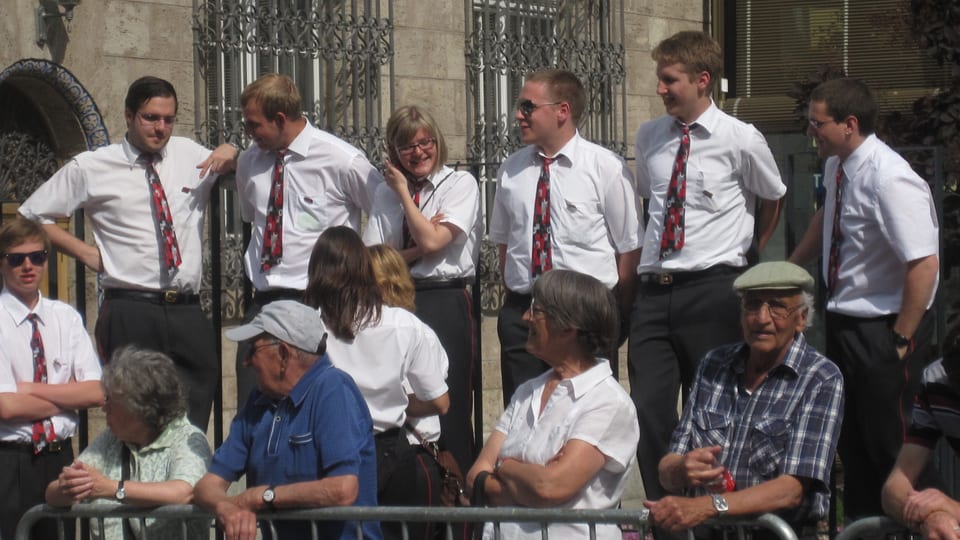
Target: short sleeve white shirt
{"x": 593, "y": 212}
{"x": 887, "y": 220}
{"x": 383, "y": 355}
{"x": 110, "y": 184}
{"x": 591, "y": 407}
{"x": 67, "y": 349}
{"x": 327, "y": 182}
{"x": 454, "y": 194}
{"x": 729, "y": 166}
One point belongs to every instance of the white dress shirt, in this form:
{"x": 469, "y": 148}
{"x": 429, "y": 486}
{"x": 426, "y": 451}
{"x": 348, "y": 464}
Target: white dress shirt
{"x": 591, "y": 407}
{"x": 729, "y": 166}
{"x": 383, "y": 355}
{"x": 454, "y": 194}
{"x": 593, "y": 212}
{"x": 110, "y": 184}
{"x": 66, "y": 347}
{"x": 887, "y": 220}
{"x": 327, "y": 182}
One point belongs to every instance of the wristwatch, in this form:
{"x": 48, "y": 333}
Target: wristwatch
{"x": 900, "y": 340}
{"x": 121, "y": 493}
{"x": 720, "y": 505}
{"x": 269, "y": 495}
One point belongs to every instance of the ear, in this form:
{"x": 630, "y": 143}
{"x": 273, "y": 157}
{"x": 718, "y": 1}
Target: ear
{"x": 564, "y": 113}
{"x": 852, "y": 125}
{"x": 703, "y": 81}
{"x": 128, "y": 115}
{"x": 280, "y": 120}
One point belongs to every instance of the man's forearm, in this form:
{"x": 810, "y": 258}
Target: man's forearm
{"x": 917, "y": 289}
{"x": 627, "y": 279}
{"x": 71, "y": 395}
{"x": 73, "y": 246}
{"x": 811, "y": 244}
{"x": 23, "y": 407}
{"x": 767, "y": 217}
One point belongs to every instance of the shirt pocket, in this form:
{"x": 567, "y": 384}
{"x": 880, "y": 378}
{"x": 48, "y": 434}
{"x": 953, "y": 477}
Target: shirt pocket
{"x": 579, "y": 222}
{"x": 767, "y": 447}
{"x": 303, "y": 458}
{"x": 705, "y": 188}
{"x": 712, "y": 429}
{"x": 307, "y": 212}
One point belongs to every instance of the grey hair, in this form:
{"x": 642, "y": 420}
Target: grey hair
{"x": 810, "y": 306}
{"x": 148, "y": 384}
{"x": 577, "y": 301}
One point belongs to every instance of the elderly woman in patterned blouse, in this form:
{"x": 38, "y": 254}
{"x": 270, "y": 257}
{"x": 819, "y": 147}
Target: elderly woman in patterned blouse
{"x": 150, "y": 456}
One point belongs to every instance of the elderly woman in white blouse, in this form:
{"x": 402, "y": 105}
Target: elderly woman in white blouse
{"x": 569, "y": 436}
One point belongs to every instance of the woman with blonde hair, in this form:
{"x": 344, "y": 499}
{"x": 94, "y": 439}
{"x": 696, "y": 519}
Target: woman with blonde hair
{"x": 393, "y": 277}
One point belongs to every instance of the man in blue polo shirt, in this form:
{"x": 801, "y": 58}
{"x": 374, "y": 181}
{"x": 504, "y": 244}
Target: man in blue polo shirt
{"x": 304, "y": 438}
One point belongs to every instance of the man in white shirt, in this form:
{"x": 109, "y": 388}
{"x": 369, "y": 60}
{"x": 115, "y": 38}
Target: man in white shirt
{"x": 879, "y": 238}
{"x": 48, "y": 370}
{"x": 561, "y": 202}
{"x": 700, "y": 229}
{"x": 145, "y": 198}
{"x": 296, "y": 181}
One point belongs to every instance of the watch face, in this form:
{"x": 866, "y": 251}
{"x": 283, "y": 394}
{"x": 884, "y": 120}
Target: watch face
{"x": 121, "y": 493}
{"x": 720, "y": 504}
{"x": 269, "y": 495}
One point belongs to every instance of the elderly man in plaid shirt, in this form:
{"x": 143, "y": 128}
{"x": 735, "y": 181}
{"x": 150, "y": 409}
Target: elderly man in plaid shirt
{"x": 760, "y": 429}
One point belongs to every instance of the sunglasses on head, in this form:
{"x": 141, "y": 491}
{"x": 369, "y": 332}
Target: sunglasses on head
{"x": 36, "y": 258}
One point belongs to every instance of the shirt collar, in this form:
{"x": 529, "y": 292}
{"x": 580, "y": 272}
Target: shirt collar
{"x": 132, "y": 153}
{"x": 18, "y": 311}
{"x": 565, "y": 155}
{"x": 300, "y": 145}
{"x": 791, "y": 360}
{"x": 167, "y": 438}
{"x": 303, "y": 386}
{"x": 707, "y": 121}
{"x": 859, "y": 156}
{"x": 584, "y": 382}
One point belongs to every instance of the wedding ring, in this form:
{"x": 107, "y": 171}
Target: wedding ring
{"x": 956, "y": 528}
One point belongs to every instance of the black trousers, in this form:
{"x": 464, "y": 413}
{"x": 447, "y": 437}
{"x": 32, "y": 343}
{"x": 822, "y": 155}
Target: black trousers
{"x": 23, "y": 481}
{"x": 449, "y": 312}
{"x": 517, "y": 366}
{"x": 879, "y": 388}
{"x": 672, "y": 328}
{"x": 245, "y": 378}
{"x": 406, "y": 476}
{"x": 181, "y": 331}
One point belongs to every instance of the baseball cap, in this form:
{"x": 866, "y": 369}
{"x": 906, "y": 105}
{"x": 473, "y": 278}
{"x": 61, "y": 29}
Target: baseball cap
{"x": 287, "y": 320}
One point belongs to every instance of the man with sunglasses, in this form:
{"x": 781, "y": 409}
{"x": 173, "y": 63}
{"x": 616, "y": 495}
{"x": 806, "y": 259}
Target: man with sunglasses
{"x": 294, "y": 182}
{"x": 48, "y": 370}
{"x": 878, "y": 235}
{"x": 145, "y": 197}
{"x": 561, "y": 202}
{"x": 712, "y": 192}
{"x": 759, "y": 431}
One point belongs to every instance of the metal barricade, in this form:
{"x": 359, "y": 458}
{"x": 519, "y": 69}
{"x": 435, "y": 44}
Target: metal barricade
{"x": 875, "y": 527}
{"x": 634, "y": 519}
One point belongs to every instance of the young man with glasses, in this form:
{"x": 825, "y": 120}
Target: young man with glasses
{"x": 48, "y": 370}
{"x": 712, "y": 189}
{"x": 561, "y": 202}
{"x": 145, "y": 197}
{"x": 759, "y": 431}
{"x": 879, "y": 238}
{"x": 294, "y": 182}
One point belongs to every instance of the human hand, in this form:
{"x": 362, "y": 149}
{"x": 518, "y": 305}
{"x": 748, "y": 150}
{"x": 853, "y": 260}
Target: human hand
{"x": 438, "y": 218}
{"x": 395, "y": 178}
{"x": 940, "y": 525}
{"x": 236, "y": 523}
{"x": 699, "y": 466}
{"x": 75, "y": 482}
{"x": 678, "y": 514}
{"x": 222, "y": 159}
{"x": 921, "y": 504}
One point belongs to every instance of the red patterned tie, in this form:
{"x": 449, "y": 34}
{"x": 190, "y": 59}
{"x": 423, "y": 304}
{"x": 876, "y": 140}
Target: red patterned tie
{"x": 672, "y": 239}
{"x": 542, "y": 233}
{"x": 273, "y": 230}
{"x": 833, "y": 265}
{"x": 42, "y": 429}
{"x": 171, "y": 250}
{"x": 408, "y": 241}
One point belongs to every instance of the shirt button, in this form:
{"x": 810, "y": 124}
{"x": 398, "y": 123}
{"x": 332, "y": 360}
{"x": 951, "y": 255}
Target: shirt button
{"x": 276, "y": 419}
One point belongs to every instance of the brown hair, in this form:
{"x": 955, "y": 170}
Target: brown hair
{"x": 393, "y": 277}
{"x": 403, "y": 126}
{"x": 19, "y": 231}
{"x": 341, "y": 283}
{"x": 274, "y": 93}
{"x": 848, "y": 97}
{"x": 564, "y": 86}
{"x": 697, "y": 51}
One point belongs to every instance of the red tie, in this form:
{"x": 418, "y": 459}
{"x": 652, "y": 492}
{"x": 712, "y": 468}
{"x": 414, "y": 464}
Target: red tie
{"x": 171, "y": 250}
{"x": 273, "y": 230}
{"x": 672, "y": 239}
{"x": 42, "y": 429}
{"x": 833, "y": 265}
{"x": 542, "y": 233}
{"x": 408, "y": 241}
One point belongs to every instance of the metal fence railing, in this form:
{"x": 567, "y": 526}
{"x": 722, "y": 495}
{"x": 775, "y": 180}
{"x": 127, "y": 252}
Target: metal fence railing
{"x": 628, "y": 519}
{"x": 876, "y": 527}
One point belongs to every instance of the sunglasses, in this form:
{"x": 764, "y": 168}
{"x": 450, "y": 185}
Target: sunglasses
{"x": 36, "y": 258}
{"x": 527, "y": 107}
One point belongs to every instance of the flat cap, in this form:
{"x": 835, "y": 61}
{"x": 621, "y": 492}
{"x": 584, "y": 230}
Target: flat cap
{"x": 287, "y": 320}
{"x": 775, "y": 275}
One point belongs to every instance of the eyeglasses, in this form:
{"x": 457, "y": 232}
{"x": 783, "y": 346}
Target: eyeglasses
{"x": 36, "y": 258}
{"x": 778, "y": 310}
{"x": 526, "y": 107}
{"x": 537, "y": 310}
{"x": 425, "y": 145}
{"x": 253, "y": 350}
{"x": 817, "y": 124}
{"x": 154, "y": 119}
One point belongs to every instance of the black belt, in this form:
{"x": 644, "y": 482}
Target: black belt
{"x": 426, "y": 284}
{"x": 53, "y": 447}
{"x": 272, "y": 295}
{"x": 667, "y": 279}
{"x": 165, "y": 296}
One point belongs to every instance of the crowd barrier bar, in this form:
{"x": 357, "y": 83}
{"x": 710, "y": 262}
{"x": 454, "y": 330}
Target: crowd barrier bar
{"x": 875, "y": 527}
{"x": 635, "y": 518}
